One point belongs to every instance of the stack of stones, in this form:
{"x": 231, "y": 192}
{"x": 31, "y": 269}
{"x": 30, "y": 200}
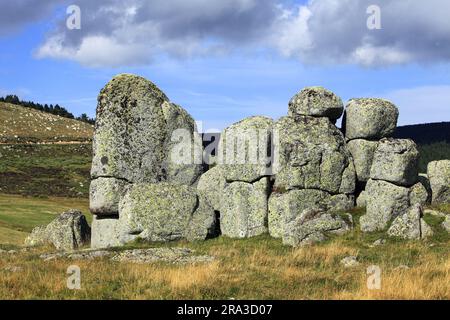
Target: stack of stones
{"x": 138, "y": 188}
{"x": 386, "y": 168}
{"x": 313, "y": 170}
{"x": 287, "y": 177}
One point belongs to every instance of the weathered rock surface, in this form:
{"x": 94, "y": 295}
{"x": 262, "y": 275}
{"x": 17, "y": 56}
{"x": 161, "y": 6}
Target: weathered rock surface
{"x": 439, "y": 175}
{"x": 316, "y": 102}
{"x": 423, "y": 179}
{"x": 312, "y": 226}
{"x": 178, "y": 256}
{"x": 130, "y": 130}
{"x": 350, "y": 262}
{"x": 68, "y": 231}
{"x": 370, "y": 119}
{"x": 410, "y": 225}
{"x": 183, "y": 147}
{"x": 384, "y": 201}
{"x": 310, "y": 153}
{"x": 285, "y": 207}
{"x": 363, "y": 152}
{"x": 396, "y": 161}
{"x": 77, "y": 255}
{"x": 446, "y": 223}
{"x": 165, "y": 212}
{"x": 361, "y": 200}
{"x": 419, "y": 194}
{"x": 105, "y": 195}
{"x": 140, "y": 137}
{"x": 212, "y": 184}
{"x": 244, "y": 148}
{"x": 108, "y": 233}
{"x": 244, "y": 209}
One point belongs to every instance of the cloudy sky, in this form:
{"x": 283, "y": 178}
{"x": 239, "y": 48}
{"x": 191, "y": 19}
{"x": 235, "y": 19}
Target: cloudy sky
{"x": 224, "y": 60}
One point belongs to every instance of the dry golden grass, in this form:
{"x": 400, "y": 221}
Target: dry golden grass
{"x": 257, "y": 268}
{"x": 247, "y": 269}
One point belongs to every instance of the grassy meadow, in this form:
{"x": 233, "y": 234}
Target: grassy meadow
{"x": 257, "y": 268}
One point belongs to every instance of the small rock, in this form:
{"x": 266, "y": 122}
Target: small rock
{"x": 402, "y": 267}
{"x": 350, "y": 261}
{"x": 446, "y": 223}
{"x": 379, "y": 242}
{"x": 68, "y": 231}
{"x": 13, "y": 269}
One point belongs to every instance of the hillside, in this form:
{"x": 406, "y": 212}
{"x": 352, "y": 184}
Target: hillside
{"x": 427, "y": 133}
{"x": 25, "y": 125}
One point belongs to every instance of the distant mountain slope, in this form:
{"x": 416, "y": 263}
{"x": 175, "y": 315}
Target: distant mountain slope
{"x": 22, "y": 125}
{"x": 427, "y": 133}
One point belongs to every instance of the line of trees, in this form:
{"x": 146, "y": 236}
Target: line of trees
{"x": 49, "y": 108}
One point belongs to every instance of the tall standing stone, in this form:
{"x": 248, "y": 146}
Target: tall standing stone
{"x": 137, "y": 136}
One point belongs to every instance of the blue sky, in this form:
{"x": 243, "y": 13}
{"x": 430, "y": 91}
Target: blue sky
{"x": 224, "y": 62}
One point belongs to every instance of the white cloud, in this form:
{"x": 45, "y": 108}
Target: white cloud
{"x": 133, "y": 32}
{"x": 334, "y": 32}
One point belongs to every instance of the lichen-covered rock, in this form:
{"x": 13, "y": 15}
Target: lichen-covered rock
{"x": 423, "y": 179}
{"x": 212, "y": 184}
{"x": 410, "y": 225}
{"x": 244, "y": 148}
{"x": 183, "y": 146}
{"x": 105, "y": 194}
{"x": 361, "y": 200}
{"x": 310, "y": 153}
{"x": 130, "y": 130}
{"x": 316, "y": 102}
{"x": 140, "y": 137}
{"x": 396, "y": 161}
{"x": 107, "y": 233}
{"x": 165, "y": 212}
{"x": 384, "y": 201}
{"x": 244, "y": 209}
{"x": 68, "y": 231}
{"x": 439, "y": 175}
{"x": 370, "y": 119}
{"x": 362, "y": 152}
{"x": 285, "y": 207}
{"x": 419, "y": 194}
{"x": 446, "y": 223}
{"x": 311, "y": 226}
